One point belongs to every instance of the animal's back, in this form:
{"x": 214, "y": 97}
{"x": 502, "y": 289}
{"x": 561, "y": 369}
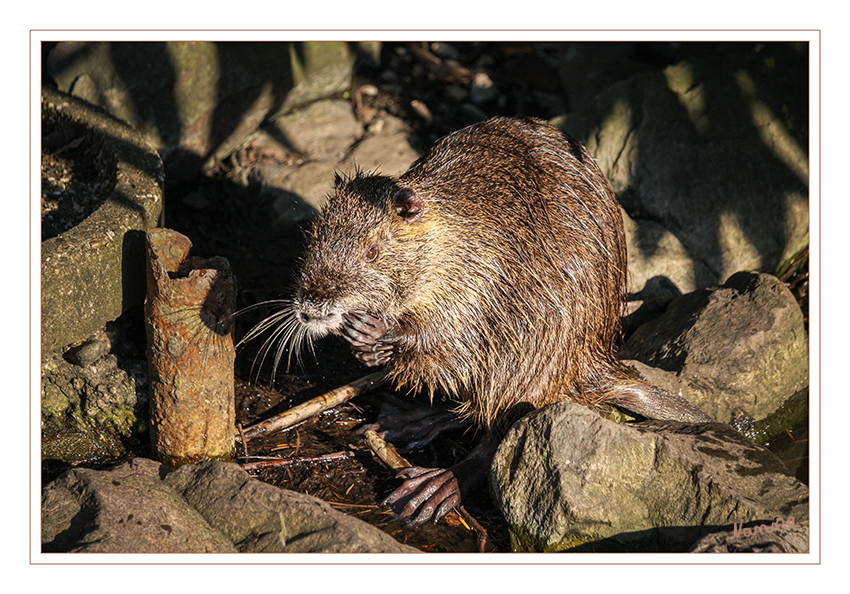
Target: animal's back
{"x": 522, "y": 296}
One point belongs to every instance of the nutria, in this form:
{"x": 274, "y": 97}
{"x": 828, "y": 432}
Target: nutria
{"x": 493, "y": 270}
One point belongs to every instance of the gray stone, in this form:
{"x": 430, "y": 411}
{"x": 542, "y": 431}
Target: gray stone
{"x": 195, "y": 101}
{"x": 141, "y": 507}
{"x": 327, "y": 130}
{"x": 659, "y": 264}
{"x": 260, "y": 518}
{"x": 93, "y": 272}
{"x": 125, "y": 510}
{"x": 90, "y": 351}
{"x": 714, "y": 150}
{"x": 565, "y": 478}
{"x": 323, "y": 130}
{"x": 737, "y": 349}
{"x": 387, "y": 151}
{"x": 482, "y": 89}
{"x": 302, "y": 192}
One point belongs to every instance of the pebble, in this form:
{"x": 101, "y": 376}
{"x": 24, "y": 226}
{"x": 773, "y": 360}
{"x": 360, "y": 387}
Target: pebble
{"x": 89, "y": 352}
{"x": 482, "y": 89}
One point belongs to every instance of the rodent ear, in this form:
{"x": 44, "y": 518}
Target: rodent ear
{"x": 408, "y": 205}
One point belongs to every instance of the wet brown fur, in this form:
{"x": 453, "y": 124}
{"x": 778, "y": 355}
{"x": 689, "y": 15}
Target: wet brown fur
{"x": 506, "y": 291}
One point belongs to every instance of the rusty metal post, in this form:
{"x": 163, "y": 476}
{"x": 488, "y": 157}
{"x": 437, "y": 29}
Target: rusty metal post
{"x": 188, "y": 313}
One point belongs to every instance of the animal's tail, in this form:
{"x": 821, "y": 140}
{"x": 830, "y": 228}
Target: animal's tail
{"x": 653, "y": 402}
{"x": 630, "y": 391}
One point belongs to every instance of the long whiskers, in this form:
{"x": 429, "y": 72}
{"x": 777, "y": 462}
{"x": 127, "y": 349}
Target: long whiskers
{"x": 281, "y": 302}
{"x": 265, "y": 324}
{"x": 288, "y": 334}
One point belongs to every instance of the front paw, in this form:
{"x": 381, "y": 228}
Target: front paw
{"x": 365, "y": 334}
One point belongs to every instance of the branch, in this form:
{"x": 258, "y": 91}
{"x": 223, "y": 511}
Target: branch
{"x": 316, "y": 405}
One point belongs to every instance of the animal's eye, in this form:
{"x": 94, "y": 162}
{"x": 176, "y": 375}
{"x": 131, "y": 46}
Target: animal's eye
{"x": 371, "y": 254}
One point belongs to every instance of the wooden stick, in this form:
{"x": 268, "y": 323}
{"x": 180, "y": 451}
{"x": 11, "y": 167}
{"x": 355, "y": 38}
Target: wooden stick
{"x": 243, "y": 440}
{"x": 278, "y": 462}
{"x": 316, "y": 405}
{"x": 479, "y": 529}
{"x": 387, "y": 453}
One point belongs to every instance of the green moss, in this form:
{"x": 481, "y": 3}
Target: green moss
{"x": 53, "y": 402}
{"x": 792, "y": 413}
{"x": 522, "y": 542}
{"x": 87, "y": 411}
{"x": 80, "y": 444}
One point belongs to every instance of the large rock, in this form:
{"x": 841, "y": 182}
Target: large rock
{"x": 660, "y": 265}
{"x": 94, "y": 271}
{"x": 321, "y": 134}
{"x": 126, "y": 510}
{"x": 386, "y": 149}
{"x": 739, "y": 349}
{"x": 198, "y": 101}
{"x": 714, "y": 150}
{"x": 567, "y": 479}
{"x": 141, "y": 507}
{"x": 321, "y": 131}
{"x": 329, "y": 141}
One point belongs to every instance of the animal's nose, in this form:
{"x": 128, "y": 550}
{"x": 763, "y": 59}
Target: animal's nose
{"x": 319, "y": 286}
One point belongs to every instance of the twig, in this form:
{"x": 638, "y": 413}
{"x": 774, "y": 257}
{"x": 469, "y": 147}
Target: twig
{"x": 278, "y": 462}
{"x": 479, "y": 529}
{"x": 243, "y": 440}
{"x": 447, "y": 71}
{"x": 387, "y": 453}
{"x": 316, "y": 405}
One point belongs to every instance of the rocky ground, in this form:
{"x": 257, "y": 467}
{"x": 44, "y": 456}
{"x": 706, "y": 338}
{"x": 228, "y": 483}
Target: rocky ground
{"x": 252, "y": 203}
